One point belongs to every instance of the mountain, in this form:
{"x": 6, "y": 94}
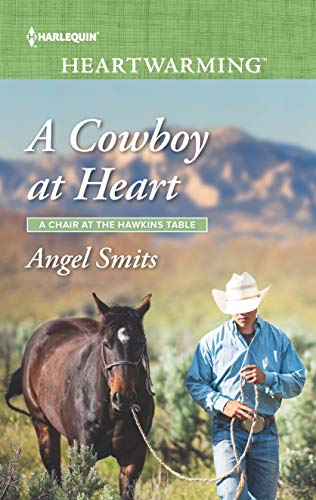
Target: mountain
{"x": 239, "y": 181}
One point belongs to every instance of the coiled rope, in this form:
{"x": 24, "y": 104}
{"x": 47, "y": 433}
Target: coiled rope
{"x": 237, "y": 468}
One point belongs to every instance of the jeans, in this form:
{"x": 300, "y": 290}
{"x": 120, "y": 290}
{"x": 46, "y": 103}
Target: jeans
{"x": 261, "y": 462}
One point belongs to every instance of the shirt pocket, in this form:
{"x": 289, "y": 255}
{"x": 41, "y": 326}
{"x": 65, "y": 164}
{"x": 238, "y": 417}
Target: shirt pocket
{"x": 272, "y": 362}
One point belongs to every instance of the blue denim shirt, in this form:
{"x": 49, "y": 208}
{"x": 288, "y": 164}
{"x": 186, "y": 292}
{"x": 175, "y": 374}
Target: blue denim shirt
{"x": 213, "y": 378}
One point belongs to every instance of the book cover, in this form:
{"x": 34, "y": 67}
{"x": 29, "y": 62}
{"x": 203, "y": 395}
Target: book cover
{"x": 157, "y": 175}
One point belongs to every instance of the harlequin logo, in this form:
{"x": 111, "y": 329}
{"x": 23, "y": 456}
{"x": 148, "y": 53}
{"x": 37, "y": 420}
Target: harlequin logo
{"x": 34, "y": 38}
{"x": 31, "y": 37}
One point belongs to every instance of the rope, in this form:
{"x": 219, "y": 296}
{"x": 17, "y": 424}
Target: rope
{"x": 237, "y": 468}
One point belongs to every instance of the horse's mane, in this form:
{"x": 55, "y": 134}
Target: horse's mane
{"x": 118, "y": 316}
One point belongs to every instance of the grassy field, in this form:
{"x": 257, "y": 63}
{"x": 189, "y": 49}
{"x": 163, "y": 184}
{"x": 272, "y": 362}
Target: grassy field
{"x": 154, "y": 484}
{"x": 182, "y": 308}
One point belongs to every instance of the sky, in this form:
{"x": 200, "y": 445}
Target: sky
{"x": 278, "y": 110}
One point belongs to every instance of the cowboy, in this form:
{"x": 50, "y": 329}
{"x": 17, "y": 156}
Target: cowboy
{"x": 249, "y": 347}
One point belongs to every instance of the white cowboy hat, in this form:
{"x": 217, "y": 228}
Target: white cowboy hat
{"x": 241, "y": 296}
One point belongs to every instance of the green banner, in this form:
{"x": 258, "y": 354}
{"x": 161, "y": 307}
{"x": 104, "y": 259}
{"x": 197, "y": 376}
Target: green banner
{"x": 116, "y": 224}
{"x": 168, "y": 39}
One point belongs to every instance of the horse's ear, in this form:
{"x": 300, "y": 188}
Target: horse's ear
{"x": 144, "y": 305}
{"x": 102, "y": 308}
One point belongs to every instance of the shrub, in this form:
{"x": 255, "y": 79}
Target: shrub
{"x": 180, "y": 423}
{"x": 41, "y": 485}
{"x": 23, "y": 332}
{"x": 298, "y": 437}
{"x": 108, "y": 494}
{"x": 9, "y": 477}
{"x": 299, "y": 470}
{"x": 80, "y": 479}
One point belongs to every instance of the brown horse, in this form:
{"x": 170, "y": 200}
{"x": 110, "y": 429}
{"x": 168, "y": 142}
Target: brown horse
{"x": 80, "y": 377}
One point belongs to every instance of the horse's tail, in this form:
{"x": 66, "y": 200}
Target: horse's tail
{"x": 15, "y": 389}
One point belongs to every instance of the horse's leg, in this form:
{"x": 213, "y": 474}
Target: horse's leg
{"x": 49, "y": 445}
{"x": 130, "y": 473}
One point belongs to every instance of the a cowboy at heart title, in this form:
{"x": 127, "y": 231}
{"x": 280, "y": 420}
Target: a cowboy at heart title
{"x": 190, "y": 144}
{"x": 181, "y": 141}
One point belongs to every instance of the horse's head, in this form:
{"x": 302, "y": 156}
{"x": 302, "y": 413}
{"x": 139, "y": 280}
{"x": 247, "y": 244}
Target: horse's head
{"x": 122, "y": 349}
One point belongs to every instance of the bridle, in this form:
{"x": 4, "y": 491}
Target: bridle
{"x": 144, "y": 354}
{"x": 108, "y": 366}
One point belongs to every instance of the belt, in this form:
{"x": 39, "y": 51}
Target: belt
{"x": 263, "y": 421}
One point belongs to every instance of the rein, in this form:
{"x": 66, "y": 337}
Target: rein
{"x": 122, "y": 362}
{"x": 237, "y": 467}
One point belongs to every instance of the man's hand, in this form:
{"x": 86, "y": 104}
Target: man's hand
{"x": 238, "y": 410}
{"x": 253, "y": 374}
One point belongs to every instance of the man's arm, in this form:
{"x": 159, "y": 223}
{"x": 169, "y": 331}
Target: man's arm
{"x": 286, "y": 384}
{"x": 198, "y": 382}
{"x": 290, "y": 382}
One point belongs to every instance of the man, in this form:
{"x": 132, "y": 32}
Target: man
{"x": 251, "y": 348}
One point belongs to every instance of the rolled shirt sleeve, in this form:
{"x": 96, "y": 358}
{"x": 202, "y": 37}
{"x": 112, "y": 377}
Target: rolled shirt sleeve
{"x": 199, "y": 381}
